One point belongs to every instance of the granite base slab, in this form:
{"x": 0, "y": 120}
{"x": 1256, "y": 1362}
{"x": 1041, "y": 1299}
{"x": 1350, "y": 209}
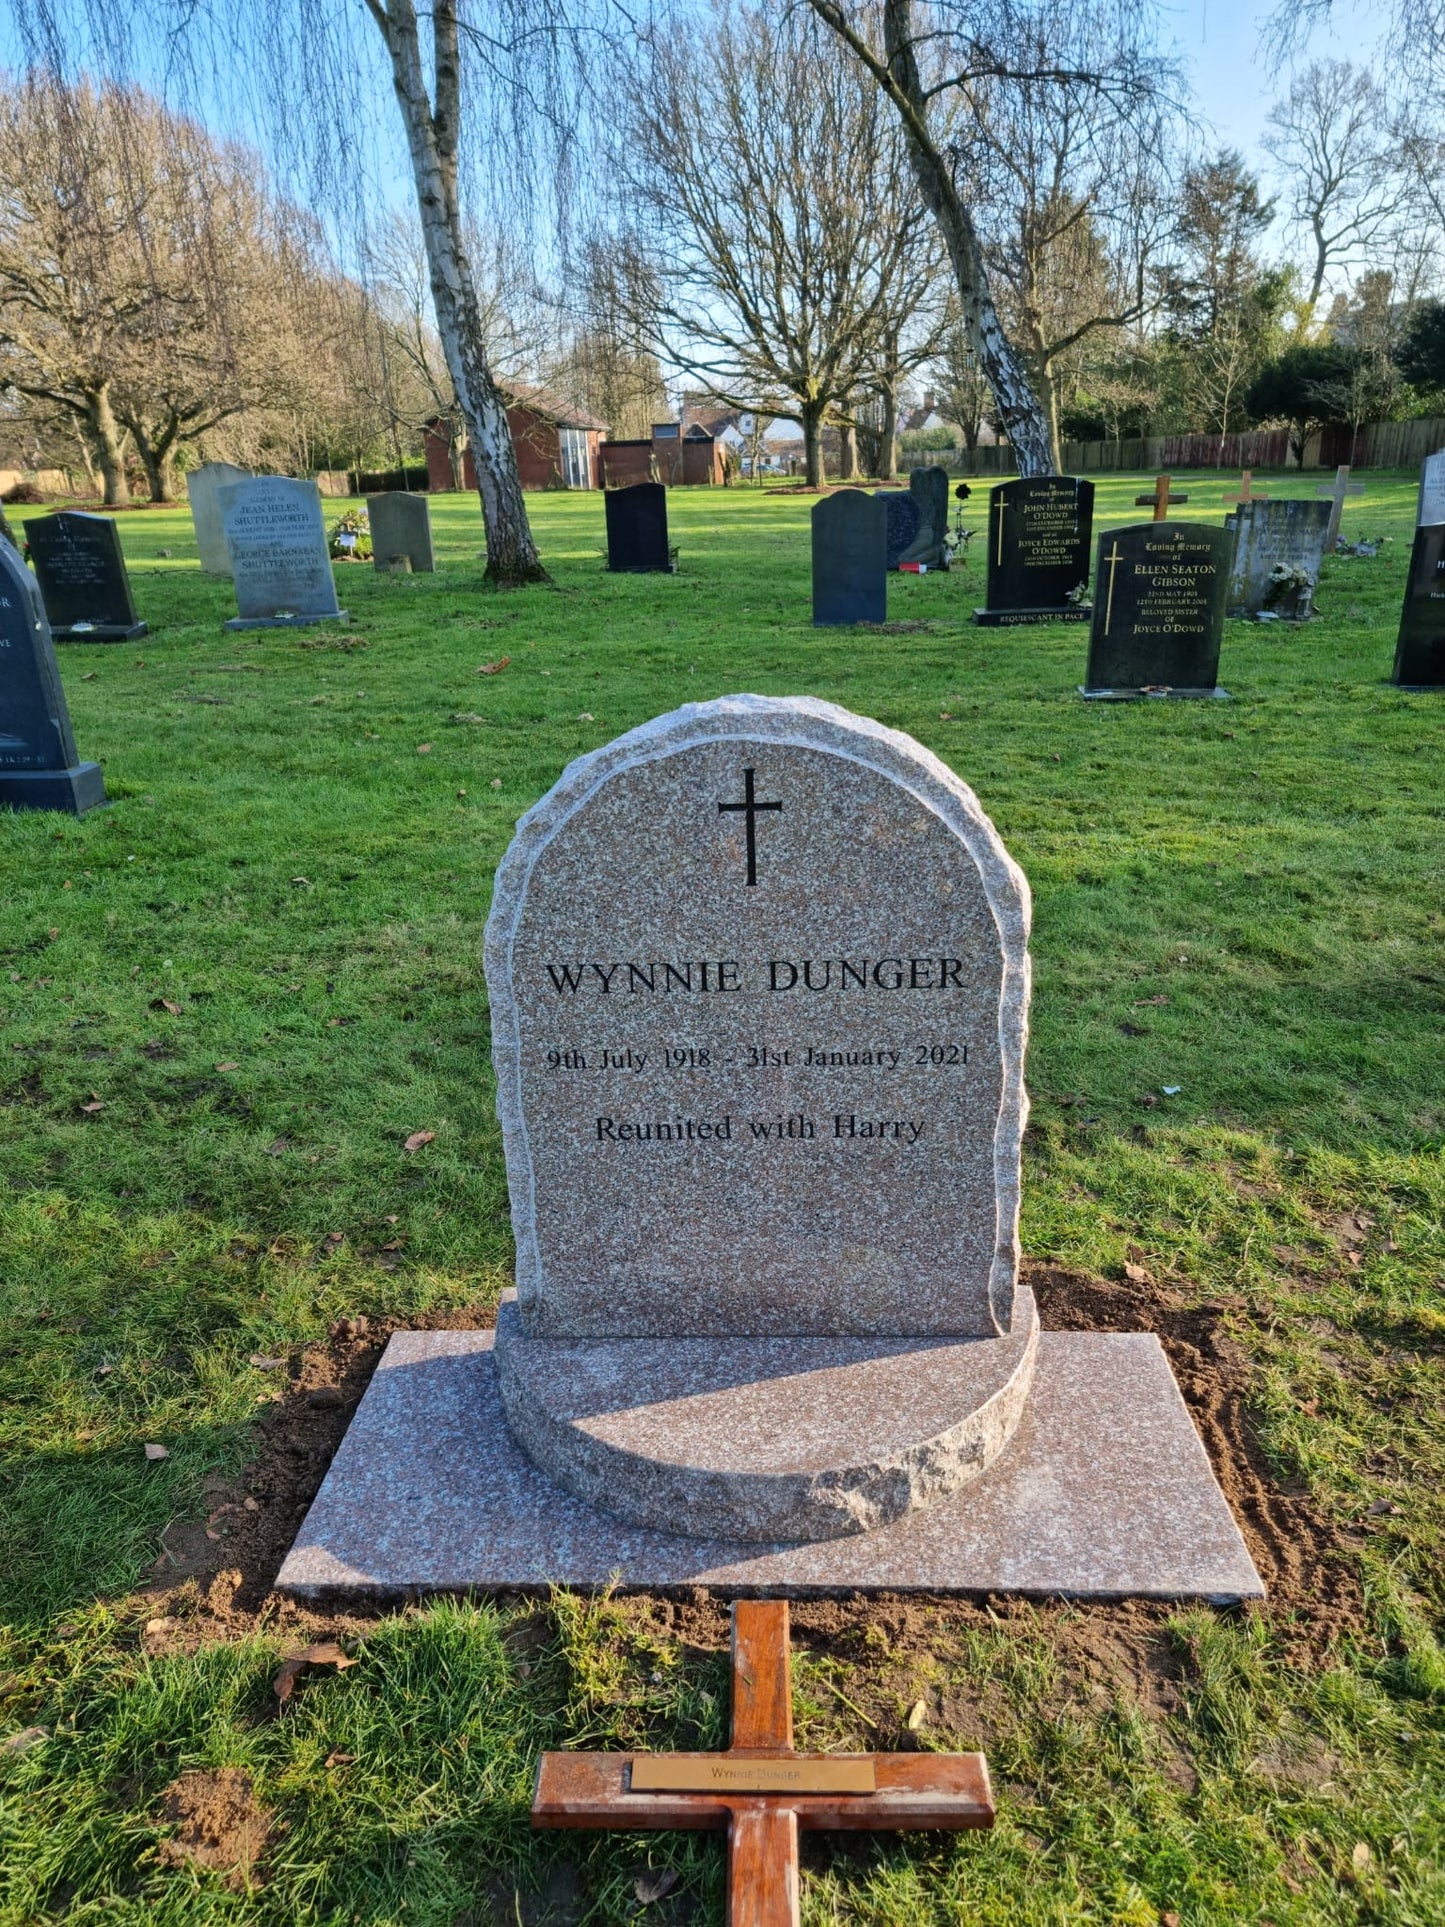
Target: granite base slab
{"x": 101, "y": 632}
{"x": 75, "y": 790}
{"x": 286, "y": 622}
{"x": 1154, "y": 695}
{"x": 1104, "y": 1491}
{"x": 1020, "y": 618}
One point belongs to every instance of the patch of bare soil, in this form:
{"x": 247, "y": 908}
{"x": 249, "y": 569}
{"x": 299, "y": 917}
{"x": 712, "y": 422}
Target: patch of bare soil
{"x": 219, "y": 1824}
{"x": 215, "y": 1576}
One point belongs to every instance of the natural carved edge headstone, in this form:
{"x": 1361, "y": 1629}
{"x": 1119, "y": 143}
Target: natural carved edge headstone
{"x": 808, "y": 723}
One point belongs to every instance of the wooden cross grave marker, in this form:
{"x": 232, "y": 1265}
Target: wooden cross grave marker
{"x": 1161, "y": 500}
{"x": 1337, "y": 491}
{"x": 1247, "y": 492}
{"x": 760, "y": 1791}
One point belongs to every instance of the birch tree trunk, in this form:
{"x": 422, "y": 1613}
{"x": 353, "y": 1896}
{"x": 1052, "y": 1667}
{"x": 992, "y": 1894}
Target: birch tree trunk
{"x": 888, "y": 438}
{"x": 1021, "y": 417}
{"x": 432, "y": 136}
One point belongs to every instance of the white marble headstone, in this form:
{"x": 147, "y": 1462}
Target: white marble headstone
{"x": 759, "y": 987}
{"x": 1432, "y": 491}
{"x": 203, "y": 486}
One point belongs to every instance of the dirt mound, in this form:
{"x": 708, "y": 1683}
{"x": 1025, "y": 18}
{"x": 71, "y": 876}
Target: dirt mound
{"x": 219, "y": 1824}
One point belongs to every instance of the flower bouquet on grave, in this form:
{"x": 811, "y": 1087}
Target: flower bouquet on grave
{"x": 349, "y": 537}
{"x": 1289, "y": 596}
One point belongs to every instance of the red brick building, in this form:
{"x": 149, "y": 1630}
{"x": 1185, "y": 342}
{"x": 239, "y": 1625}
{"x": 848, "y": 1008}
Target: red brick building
{"x": 557, "y": 445}
{"x": 681, "y": 456}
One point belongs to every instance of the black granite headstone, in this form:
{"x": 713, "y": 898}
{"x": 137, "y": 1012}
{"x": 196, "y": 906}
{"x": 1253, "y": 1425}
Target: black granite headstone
{"x": 1420, "y": 651}
{"x": 929, "y": 489}
{"x": 901, "y": 512}
{"x": 39, "y": 767}
{"x": 1159, "y": 595}
{"x": 83, "y": 583}
{"x": 850, "y": 550}
{"x": 637, "y": 529}
{"x": 1039, "y": 538}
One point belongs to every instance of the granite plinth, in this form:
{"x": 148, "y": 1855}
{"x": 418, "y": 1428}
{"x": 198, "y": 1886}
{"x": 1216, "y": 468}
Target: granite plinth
{"x": 101, "y": 632}
{"x": 1104, "y": 1491}
{"x": 1154, "y": 695}
{"x": 286, "y": 622}
{"x": 766, "y": 1438}
{"x": 75, "y": 790}
{"x": 1018, "y": 618}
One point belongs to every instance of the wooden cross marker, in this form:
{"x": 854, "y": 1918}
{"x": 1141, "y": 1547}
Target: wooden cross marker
{"x": 1161, "y": 500}
{"x": 1337, "y": 491}
{"x": 760, "y": 1791}
{"x": 1247, "y": 492}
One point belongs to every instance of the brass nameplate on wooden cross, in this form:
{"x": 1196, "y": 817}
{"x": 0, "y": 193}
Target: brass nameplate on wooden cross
{"x": 727, "y": 1773}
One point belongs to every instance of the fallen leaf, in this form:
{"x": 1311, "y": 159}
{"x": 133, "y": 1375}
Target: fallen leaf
{"x": 1169, "y": 1919}
{"x": 277, "y": 1145}
{"x": 1139, "y": 1002}
{"x": 1360, "y": 1858}
{"x": 393, "y": 1244}
{"x": 494, "y": 668}
{"x": 167, "y": 1625}
{"x": 325, "y": 1652}
{"x": 496, "y": 782}
{"x": 1136, "y": 1274}
{"x": 156, "y": 1452}
{"x": 265, "y": 1364}
{"x": 164, "y": 1003}
{"x": 54, "y": 933}
{"x": 461, "y": 792}
{"x": 917, "y": 1714}
{"x": 229, "y": 1065}
{"x": 302, "y": 880}
{"x": 423, "y": 749}
{"x": 1149, "y": 1101}
{"x": 93, "y": 1106}
{"x": 341, "y": 1759}
{"x": 89, "y": 676}
{"x": 652, "y": 1886}
{"x": 587, "y": 717}
{"x": 417, "y": 1140}
{"x": 22, "y": 1741}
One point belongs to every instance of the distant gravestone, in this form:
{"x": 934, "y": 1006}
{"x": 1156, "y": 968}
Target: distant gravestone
{"x": 929, "y": 488}
{"x": 39, "y": 766}
{"x": 1420, "y": 650}
{"x": 203, "y": 487}
{"x": 1159, "y": 599}
{"x": 1279, "y": 548}
{"x": 279, "y": 559}
{"x": 1039, "y": 539}
{"x": 1432, "y": 491}
{"x": 401, "y": 528}
{"x": 850, "y": 558}
{"x": 83, "y": 581}
{"x": 901, "y": 521}
{"x": 637, "y": 530}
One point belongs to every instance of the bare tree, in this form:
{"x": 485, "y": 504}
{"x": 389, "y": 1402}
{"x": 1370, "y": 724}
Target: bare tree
{"x": 1330, "y": 139}
{"x": 771, "y": 234}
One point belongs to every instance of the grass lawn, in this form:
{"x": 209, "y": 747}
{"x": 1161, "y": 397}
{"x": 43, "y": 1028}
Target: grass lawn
{"x": 227, "y": 1001}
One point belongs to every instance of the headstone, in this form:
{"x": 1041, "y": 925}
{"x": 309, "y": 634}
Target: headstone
{"x": 929, "y": 488}
{"x": 1279, "y": 548}
{"x": 203, "y": 488}
{"x": 1159, "y": 598}
{"x": 850, "y": 545}
{"x": 401, "y": 528}
{"x": 83, "y": 581}
{"x": 1432, "y": 491}
{"x": 900, "y": 510}
{"x": 39, "y": 766}
{"x": 1420, "y": 650}
{"x": 277, "y": 543}
{"x": 1039, "y": 538}
{"x": 758, "y": 981}
{"x": 637, "y": 529}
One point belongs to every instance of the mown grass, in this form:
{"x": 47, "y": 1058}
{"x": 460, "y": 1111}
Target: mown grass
{"x": 298, "y": 856}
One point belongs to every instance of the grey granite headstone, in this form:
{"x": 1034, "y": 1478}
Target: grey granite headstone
{"x": 1431, "y": 509}
{"x": 850, "y": 542}
{"x": 759, "y": 986}
{"x": 401, "y": 527}
{"x": 1039, "y": 537}
{"x": 1158, "y": 622}
{"x": 276, "y": 538}
{"x": 900, "y": 507}
{"x": 82, "y": 575}
{"x": 929, "y": 488}
{"x": 39, "y": 766}
{"x": 203, "y": 487}
{"x": 1275, "y": 545}
{"x": 1420, "y": 649}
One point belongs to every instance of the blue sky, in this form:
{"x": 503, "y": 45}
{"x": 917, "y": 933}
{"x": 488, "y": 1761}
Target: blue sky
{"x": 1234, "y": 85}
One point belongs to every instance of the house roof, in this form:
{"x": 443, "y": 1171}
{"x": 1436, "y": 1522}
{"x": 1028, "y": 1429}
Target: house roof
{"x": 547, "y": 402}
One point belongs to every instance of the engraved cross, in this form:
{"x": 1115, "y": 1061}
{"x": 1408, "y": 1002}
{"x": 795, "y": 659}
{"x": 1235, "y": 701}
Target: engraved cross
{"x": 751, "y": 806}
